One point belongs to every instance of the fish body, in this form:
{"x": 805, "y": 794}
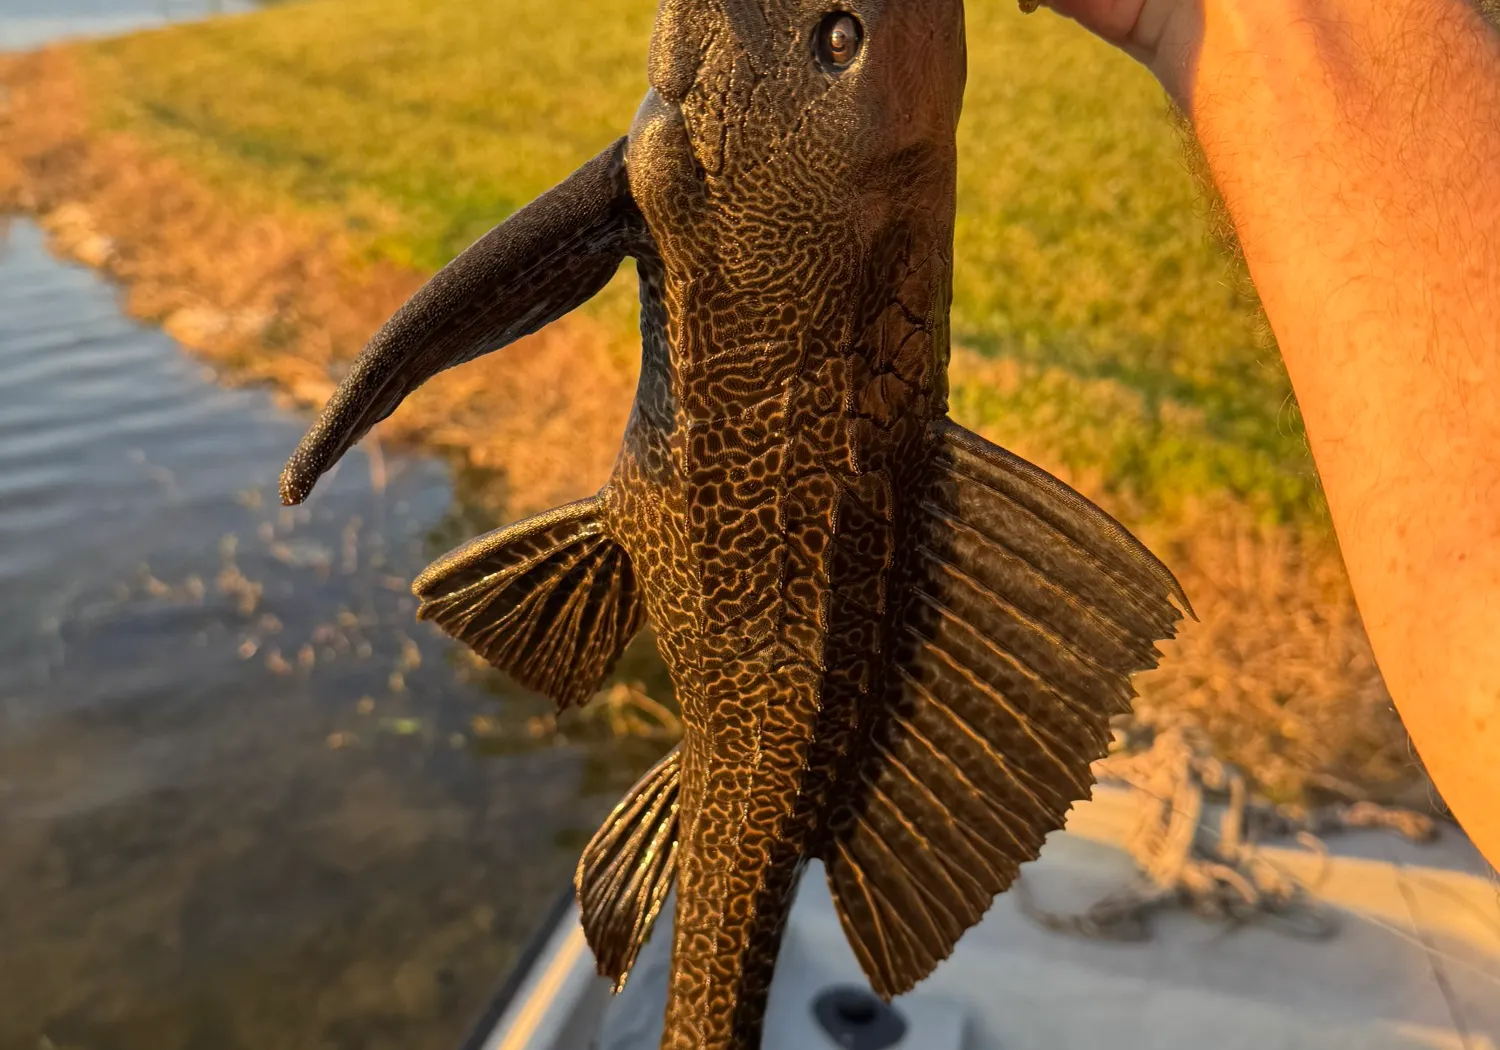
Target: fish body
{"x": 896, "y": 646}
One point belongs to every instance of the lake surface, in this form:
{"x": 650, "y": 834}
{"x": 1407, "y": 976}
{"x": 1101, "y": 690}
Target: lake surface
{"x": 30, "y": 23}
{"x": 245, "y": 800}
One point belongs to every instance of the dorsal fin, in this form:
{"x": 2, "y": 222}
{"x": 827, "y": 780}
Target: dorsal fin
{"x": 552, "y": 600}
{"x": 1029, "y": 609}
{"x": 627, "y": 870}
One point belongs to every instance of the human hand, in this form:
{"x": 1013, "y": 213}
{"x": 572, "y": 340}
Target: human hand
{"x": 1161, "y": 34}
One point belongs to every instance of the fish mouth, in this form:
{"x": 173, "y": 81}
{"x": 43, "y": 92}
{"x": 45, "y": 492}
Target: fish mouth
{"x": 660, "y": 160}
{"x": 654, "y": 107}
{"x": 658, "y": 127}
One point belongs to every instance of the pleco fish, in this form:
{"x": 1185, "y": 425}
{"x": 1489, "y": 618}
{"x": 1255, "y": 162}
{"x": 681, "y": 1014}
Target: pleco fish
{"x": 896, "y": 646}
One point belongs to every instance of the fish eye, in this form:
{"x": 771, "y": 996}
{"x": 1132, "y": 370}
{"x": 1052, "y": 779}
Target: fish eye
{"x": 838, "y": 40}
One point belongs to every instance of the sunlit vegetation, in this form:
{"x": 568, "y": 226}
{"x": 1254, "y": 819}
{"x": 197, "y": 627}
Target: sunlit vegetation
{"x": 1118, "y": 338}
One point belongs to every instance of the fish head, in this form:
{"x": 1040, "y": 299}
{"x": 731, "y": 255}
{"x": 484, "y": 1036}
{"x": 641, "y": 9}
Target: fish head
{"x": 795, "y": 126}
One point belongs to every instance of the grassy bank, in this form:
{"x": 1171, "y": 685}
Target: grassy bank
{"x": 1081, "y": 254}
{"x": 270, "y": 187}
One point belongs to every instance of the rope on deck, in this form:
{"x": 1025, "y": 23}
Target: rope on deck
{"x": 1216, "y": 872}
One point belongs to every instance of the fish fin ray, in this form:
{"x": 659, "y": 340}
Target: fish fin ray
{"x": 1028, "y": 612}
{"x": 627, "y": 870}
{"x": 1095, "y": 544}
{"x": 551, "y": 600}
{"x": 544, "y": 261}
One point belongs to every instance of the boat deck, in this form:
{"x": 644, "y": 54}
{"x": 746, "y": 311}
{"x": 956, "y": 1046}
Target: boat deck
{"x": 1415, "y": 964}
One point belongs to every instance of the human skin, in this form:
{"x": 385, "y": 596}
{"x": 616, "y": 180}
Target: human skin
{"x": 1357, "y": 148}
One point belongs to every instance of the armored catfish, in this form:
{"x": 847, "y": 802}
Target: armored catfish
{"x": 896, "y": 645}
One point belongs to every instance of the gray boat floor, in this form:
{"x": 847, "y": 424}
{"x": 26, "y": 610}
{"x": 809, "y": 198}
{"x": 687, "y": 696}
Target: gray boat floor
{"x": 1415, "y": 964}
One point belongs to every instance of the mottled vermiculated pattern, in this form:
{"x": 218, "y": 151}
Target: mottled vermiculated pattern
{"x": 806, "y": 248}
{"x": 896, "y": 646}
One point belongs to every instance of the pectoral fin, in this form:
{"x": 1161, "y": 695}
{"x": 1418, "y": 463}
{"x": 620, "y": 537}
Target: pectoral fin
{"x": 1030, "y": 610}
{"x": 627, "y": 869}
{"x": 551, "y": 600}
{"x": 545, "y": 260}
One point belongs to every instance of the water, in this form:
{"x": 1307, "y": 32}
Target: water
{"x": 241, "y": 799}
{"x": 30, "y": 23}
{"x": 244, "y": 800}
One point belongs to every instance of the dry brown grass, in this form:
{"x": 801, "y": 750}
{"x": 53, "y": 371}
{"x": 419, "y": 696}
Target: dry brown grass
{"x": 1279, "y": 671}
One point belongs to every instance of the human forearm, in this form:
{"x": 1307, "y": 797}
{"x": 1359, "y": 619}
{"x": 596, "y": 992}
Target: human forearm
{"x": 1357, "y": 146}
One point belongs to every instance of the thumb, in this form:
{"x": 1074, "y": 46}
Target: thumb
{"x": 1114, "y": 20}
{"x": 1156, "y": 33}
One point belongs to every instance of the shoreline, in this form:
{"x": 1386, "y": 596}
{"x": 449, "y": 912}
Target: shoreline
{"x": 278, "y": 300}
{"x": 1278, "y": 671}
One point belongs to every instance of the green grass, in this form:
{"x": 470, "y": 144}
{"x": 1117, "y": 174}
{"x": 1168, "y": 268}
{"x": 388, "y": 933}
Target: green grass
{"x": 1082, "y": 251}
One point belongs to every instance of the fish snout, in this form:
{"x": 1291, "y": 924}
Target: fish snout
{"x": 664, "y": 170}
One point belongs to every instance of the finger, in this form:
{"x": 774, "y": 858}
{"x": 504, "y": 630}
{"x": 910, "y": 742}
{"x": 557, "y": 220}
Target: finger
{"x": 1114, "y": 20}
